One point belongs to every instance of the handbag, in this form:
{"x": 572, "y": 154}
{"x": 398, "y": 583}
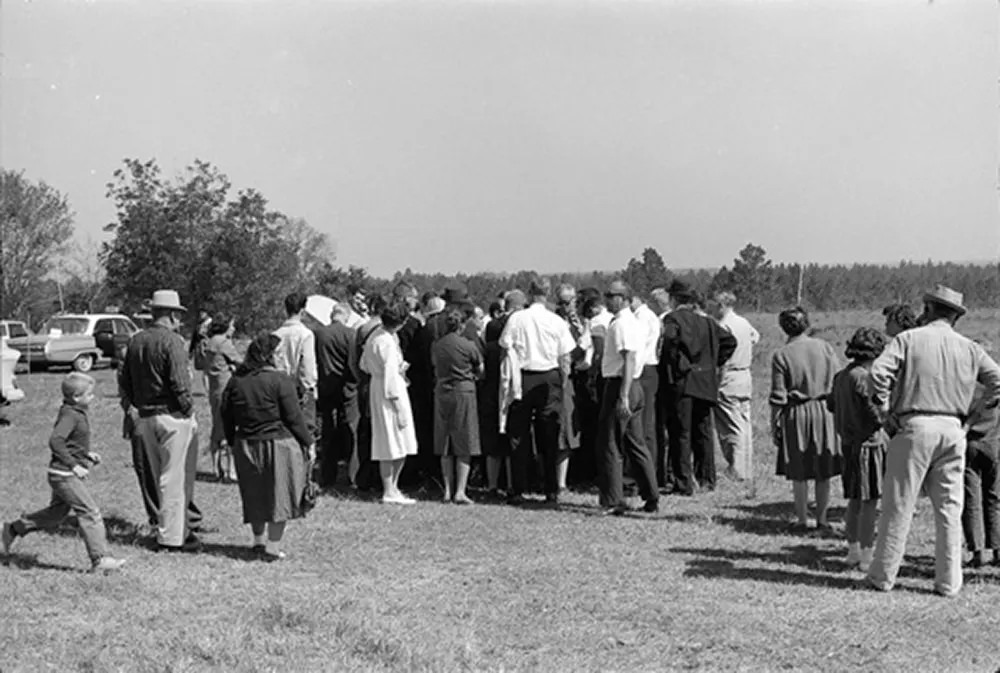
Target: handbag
{"x": 310, "y": 494}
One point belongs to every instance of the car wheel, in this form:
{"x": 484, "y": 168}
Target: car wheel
{"x": 83, "y": 363}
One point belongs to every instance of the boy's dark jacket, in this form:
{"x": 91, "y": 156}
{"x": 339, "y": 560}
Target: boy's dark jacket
{"x": 70, "y": 439}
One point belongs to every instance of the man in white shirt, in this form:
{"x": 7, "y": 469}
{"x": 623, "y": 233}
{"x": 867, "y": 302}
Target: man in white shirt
{"x": 732, "y": 415}
{"x": 648, "y": 361}
{"x": 542, "y": 343}
{"x": 660, "y": 304}
{"x": 621, "y": 418}
{"x": 296, "y": 354}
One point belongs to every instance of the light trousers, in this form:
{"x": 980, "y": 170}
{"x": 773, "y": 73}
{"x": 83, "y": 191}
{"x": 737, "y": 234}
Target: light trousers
{"x": 732, "y": 423}
{"x": 928, "y": 450}
{"x": 171, "y": 444}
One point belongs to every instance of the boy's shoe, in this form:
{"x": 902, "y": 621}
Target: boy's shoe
{"x": 7, "y": 537}
{"x": 867, "y": 556}
{"x": 853, "y": 553}
{"x": 107, "y": 564}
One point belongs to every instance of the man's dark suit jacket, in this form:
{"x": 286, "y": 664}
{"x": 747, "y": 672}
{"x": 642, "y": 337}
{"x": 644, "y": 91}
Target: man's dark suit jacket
{"x": 334, "y": 343}
{"x": 694, "y": 347}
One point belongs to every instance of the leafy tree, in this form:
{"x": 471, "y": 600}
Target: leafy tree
{"x": 233, "y": 255}
{"x": 82, "y": 285}
{"x": 646, "y": 273}
{"x": 35, "y": 225}
{"x": 752, "y": 276}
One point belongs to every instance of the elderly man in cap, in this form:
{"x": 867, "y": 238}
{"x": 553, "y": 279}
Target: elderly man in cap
{"x": 542, "y": 344}
{"x": 156, "y": 383}
{"x": 928, "y": 375}
{"x": 694, "y": 347}
{"x": 732, "y": 414}
{"x": 621, "y": 430}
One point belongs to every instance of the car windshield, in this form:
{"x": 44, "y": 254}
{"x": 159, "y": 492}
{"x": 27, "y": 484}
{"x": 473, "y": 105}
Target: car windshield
{"x": 67, "y": 325}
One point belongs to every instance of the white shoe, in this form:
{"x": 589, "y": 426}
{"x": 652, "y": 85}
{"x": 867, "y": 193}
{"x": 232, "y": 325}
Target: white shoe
{"x": 865, "y": 562}
{"x": 853, "y": 553}
{"x": 398, "y": 499}
{"x": 107, "y": 564}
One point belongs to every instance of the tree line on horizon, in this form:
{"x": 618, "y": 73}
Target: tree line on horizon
{"x": 234, "y": 254}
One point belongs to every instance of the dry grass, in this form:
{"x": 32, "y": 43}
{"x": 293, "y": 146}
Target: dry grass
{"x": 712, "y": 583}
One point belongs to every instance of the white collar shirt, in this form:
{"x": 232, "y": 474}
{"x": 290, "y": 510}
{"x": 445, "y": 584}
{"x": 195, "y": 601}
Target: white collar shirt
{"x": 746, "y": 338}
{"x": 296, "y": 354}
{"x": 650, "y": 327}
{"x": 355, "y": 319}
{"x": 599, "y": 323}
{"x": 624, "y": 334}
{"x": 539, "y": 338}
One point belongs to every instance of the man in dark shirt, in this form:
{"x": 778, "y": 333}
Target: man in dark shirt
{"x": 336, "y": 393}
{"x": 694, "y": 347}
{"x": 156, "y": 383}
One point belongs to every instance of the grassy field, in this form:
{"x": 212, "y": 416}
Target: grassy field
{"x": 714, "y": 583}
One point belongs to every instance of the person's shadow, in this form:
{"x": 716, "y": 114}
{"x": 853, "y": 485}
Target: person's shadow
{"x": 124, "y": 532}
{"x": 768, "y": 519}
{"x": 826, "y": 566}
{"x": 30, "y": 561}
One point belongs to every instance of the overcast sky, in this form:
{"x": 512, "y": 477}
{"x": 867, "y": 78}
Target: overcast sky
{"x": 466, "y": 136}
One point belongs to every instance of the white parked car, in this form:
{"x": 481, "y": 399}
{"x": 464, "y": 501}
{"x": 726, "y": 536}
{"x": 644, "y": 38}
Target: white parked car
{"x": 81, "y": 340}
{"x": 8, "y": 381}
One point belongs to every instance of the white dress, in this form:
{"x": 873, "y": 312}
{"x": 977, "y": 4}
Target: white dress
{"x": 383, "y": 360}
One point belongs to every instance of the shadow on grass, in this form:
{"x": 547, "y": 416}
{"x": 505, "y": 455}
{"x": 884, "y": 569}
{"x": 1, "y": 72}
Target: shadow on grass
{"x": 722, "y": 563}
{"x": 30, "y": 561}
{"x": 802, "y": 555}
{"x": 716, "y": 569}
{"x": 124, "y": 532}
{"x": 770, "y": 518}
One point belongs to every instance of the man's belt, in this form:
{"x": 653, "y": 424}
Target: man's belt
{"x": 920, "y": 412}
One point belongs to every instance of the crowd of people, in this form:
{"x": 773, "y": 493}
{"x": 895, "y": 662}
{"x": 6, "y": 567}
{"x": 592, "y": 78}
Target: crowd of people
{"x": 551, "y": 388}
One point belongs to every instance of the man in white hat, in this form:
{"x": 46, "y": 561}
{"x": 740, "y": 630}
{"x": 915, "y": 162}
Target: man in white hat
{"x": 156, "y": 389}
{"x": 928, "y": 374}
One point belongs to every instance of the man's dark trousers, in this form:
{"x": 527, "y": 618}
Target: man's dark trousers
{"x": 367, "y": 477}
{"x": 692, "y": 455}
{"x": 650, "y": 382}
{"x": 617, "y": 438}
{"x": 661, "y": 459}
{"x": 540, "y": 405}
{"x": 338, "y": 419}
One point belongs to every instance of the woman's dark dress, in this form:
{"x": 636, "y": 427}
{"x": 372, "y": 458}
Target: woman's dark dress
{"x": 456, "y": 420}
{"x": 265, "y": 426}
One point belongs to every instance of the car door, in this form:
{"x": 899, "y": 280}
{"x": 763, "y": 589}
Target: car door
{"x": 104, "y": 336}
{"x": 124, "y": 329}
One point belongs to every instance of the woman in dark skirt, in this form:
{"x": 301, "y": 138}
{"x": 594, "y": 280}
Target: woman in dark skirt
{"x": 267, "y": 430}
{"x": 802, "y": 427}
{"x": 457, "y": 366}
{"x": 862, "y": 442}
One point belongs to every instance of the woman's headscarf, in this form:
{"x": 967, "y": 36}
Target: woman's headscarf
{"x": 260, "y": 353}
